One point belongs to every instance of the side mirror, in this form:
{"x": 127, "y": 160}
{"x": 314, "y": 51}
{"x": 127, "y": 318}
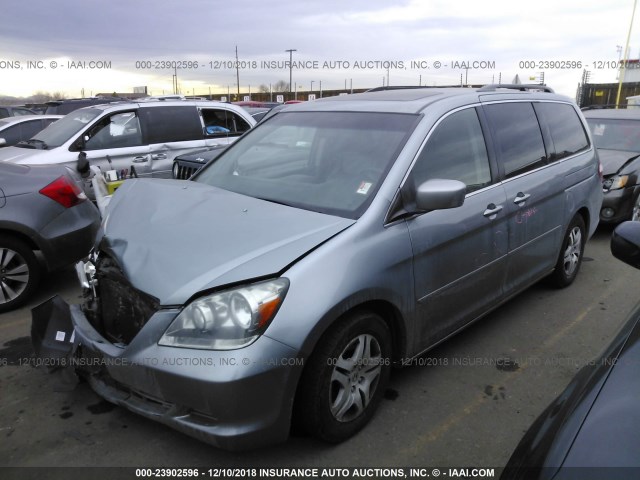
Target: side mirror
{"x": 440, "y": 194}
{"x": 83, "y": 164}
{"x": 3, "y": 142}
{"x": 625, "y": 243}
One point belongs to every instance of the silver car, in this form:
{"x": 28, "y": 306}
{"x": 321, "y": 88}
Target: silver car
{"x": 126, "y": 136}
{"x": 336, "y": 239}
{"x": 42, "y": 210}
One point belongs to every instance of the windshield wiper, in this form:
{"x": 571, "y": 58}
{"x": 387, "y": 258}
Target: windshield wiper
{"x": 33, "y": 143}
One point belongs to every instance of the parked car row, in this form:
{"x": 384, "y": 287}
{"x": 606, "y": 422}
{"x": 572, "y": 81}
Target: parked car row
{"x": 122, "y": 136}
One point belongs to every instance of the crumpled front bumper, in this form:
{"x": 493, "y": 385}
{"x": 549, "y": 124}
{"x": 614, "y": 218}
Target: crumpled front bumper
{"x": 236, "y": 400}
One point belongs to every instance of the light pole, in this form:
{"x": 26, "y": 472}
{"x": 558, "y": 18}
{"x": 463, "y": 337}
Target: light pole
{"x": 311, "y": 90}
{"x": 291, "y": 50}
{"x": 626, "y": 51}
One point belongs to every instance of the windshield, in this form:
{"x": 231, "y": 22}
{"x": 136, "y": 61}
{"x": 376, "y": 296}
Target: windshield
{"x": 59, "y": 132}
{"x": 616, "y": 134}
{"x": 329, "y": 162}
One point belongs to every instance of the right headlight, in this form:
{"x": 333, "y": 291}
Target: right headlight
{"x": 229, "y": 319}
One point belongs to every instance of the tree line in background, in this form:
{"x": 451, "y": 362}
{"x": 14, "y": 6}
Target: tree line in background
{"x": 38, "y": 97}
{"x": 279, "y": 86}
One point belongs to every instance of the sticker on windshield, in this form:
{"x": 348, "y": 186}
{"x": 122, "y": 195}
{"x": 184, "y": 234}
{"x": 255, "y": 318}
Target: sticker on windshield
{"x": 599, "y": 129}
{"x": 364, "y": 187}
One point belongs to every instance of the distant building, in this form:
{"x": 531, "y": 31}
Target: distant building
{"x": 601, "y": 94}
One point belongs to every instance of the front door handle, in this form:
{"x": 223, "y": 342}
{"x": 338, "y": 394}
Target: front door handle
{"x": 158, "y": 156}
{"x": 521, "y": 198}
{"x": 140, "y": 159}
{"x": 492, "y": 210}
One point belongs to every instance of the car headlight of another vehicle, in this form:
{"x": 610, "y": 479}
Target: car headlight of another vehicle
{"x": 615, "y": 182}
{"x": 229, "y": 319}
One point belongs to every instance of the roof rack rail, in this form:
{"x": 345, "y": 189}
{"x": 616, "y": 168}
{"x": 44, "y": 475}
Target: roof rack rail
{"x": 396, "y": 87}
{"x": 516, "y": 86}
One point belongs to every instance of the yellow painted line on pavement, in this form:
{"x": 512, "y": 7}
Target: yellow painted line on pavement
{"x": 435, "y": 433}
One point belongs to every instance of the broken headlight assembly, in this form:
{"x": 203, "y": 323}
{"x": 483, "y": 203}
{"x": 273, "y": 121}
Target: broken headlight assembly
{"x": 229, "y": 319}
{"x": 615, "y": 182}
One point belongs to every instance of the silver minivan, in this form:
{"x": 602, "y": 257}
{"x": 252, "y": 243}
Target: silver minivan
{"x": 337, "y": 238}
{"x": 143, "y": 137}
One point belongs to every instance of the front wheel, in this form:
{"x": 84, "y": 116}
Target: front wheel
{"x": 571, "y": 254}
{"x": 345, "y": 379}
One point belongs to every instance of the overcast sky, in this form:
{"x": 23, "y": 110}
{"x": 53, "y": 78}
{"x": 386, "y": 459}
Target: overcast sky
{"x": 365, "y": 31}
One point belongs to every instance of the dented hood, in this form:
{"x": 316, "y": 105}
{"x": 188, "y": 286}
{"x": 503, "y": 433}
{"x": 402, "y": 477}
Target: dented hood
{"x": 613, "y": 160}
{"x": 175, "y": 238}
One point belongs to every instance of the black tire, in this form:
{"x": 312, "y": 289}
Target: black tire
{"x": 342, "y": 384}
{"x": 19, "y": 273}
{"x": 571, "y": 253}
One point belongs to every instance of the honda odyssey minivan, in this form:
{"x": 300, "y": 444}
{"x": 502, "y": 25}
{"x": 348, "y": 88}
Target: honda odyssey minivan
{"x": 339, "y": 237}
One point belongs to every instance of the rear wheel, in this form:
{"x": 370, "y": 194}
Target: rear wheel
{"x": 345, "y": 379}
{"x": 19, "y": 273}
{"x": 570, "y": 258}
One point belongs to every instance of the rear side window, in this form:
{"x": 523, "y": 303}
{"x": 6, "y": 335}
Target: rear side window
{"x": 565, "y": 128}
{"x": 220, "y": 122}
{"x": 4, "y": 113}
{"x": 455, "y": 151}
{"x": 172, "y": 124}
{"x": 518, "y": 137}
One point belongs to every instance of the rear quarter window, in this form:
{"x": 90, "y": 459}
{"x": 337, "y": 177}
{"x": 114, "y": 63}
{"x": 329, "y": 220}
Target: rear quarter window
{"x": 566, "y": 129}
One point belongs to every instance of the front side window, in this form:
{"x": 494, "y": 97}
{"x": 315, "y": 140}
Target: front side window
{"x": 456, "y": 150}
{"x": 518, "y": 137}
{"x": 329, "y": 162}
{"x": 115, "y": 131}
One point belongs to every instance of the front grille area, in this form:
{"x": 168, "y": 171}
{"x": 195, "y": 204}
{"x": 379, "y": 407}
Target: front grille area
{"x": 122, "y": 310}
{"x": 185, "y": 170}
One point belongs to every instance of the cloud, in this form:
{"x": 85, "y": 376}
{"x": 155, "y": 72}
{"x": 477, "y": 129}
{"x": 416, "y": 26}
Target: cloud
{"x": 124, "y": 32}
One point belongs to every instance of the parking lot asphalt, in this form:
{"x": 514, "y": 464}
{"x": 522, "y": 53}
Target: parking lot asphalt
{"x": 466, "y": 403}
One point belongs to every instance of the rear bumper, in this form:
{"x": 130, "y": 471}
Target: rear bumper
{"x": 234, "y": 400}
{"x": 70, "y": 236}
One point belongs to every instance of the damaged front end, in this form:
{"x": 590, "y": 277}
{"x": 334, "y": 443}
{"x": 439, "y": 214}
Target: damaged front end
{"x": 113, "y": 341}
{"x": 112, "y": 308}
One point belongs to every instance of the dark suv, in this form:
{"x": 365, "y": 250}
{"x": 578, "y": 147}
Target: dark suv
{"x": 616, "y": 135}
